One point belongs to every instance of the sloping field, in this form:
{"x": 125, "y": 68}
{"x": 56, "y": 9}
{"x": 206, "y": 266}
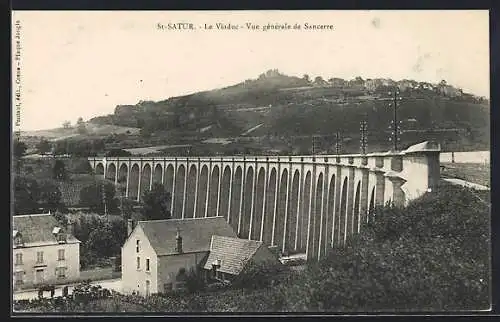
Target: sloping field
{"x": 478, "y": 173}
{"x": 92, "y": 129}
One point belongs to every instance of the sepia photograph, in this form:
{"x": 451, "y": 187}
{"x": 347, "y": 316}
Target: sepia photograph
{"x": 250, "y": 162}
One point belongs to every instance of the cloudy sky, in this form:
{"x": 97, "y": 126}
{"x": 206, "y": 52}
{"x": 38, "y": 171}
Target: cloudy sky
{"x": 85, "y": 63}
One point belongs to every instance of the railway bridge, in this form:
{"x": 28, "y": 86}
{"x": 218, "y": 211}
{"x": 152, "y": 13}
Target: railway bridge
{"x": 296, "y": 203}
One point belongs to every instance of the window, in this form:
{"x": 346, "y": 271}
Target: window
{"x": 147, "y": 264}
{"x": 39, "y": 257}
{"x": 61, "y": 272}
{"x": 18, "y": 276}
{"x": 19, "y": 259}
{"x": 138, "y": 263}
{"x": 60, "y": 254}
{"x": 61, "y": 237}
{"x": 18, "y": 240}
{"x": 137, "y": 246}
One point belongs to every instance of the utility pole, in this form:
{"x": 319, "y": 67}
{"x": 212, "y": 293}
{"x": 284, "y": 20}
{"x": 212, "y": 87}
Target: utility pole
{"x": 103, "y": 190}
{"x": 338, "y": 143}
{"x": 364, "y": 139}
{"x": 395, "y": 124}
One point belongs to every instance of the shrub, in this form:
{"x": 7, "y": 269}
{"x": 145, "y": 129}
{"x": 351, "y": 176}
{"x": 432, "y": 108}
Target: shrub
{"x": 260, "y": 274}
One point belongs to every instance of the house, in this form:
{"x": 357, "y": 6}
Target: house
{"x": 373, "y": 84}
{"x": 406, "y": 84}
{"x": 43, "y": 251}
{"x": 337, "y": 82}
{"x": 229, "y": 256}
{"x": 157, "y": 252}
{"x": 449, "y": 91}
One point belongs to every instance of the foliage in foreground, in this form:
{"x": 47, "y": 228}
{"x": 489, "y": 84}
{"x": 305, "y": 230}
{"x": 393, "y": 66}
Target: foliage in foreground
{"x": 432, "y": 256}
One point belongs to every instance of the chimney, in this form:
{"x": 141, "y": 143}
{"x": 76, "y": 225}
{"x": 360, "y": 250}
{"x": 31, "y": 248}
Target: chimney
{"x": 178, "y": 238}
{"x": 69, "y": 228}
{"x": 130, "y": 226}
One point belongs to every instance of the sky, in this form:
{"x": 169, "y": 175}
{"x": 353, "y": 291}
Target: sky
{"x": 83, "y": 64}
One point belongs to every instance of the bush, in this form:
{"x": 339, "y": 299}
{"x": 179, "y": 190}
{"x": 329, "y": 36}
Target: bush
{"x": 260, "y": 274}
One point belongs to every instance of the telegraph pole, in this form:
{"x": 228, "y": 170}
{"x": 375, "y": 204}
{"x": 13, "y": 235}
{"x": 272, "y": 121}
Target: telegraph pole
{"x": 364, "y": 140}
{"x": 313, "y": 138}
{"x": 338, "y": 143}
{"x": 104, "y": 190}
{"x": 395, "y": 124}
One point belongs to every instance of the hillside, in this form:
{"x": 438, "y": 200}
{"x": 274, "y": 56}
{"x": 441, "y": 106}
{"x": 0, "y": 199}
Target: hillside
{"x": 92, "y": 129}
{"x": 279, "y": 112}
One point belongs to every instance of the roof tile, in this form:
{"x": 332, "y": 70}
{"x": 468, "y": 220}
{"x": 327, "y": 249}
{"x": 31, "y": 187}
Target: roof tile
{"x": 196, "y": 233}
{"x": 38, "y": 229}
{"x": 234, "y": 253}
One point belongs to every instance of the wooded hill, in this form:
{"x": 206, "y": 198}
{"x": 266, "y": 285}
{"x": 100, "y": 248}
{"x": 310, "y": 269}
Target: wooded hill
{"x": 283, "y": 112}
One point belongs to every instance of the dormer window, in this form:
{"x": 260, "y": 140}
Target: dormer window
{"x": 58, "y": 233}
{"x": 18, "y": 239}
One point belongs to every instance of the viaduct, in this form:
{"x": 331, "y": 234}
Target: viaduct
{"x": 296, "y": 203}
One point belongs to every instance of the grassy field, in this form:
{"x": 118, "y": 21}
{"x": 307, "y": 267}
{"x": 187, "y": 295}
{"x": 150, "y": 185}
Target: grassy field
{"x": 474, "y": 172}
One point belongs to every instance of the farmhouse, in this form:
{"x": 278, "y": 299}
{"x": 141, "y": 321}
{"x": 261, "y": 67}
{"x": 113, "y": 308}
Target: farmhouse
{"x": 158, "y": 254}
{"x": 43, "y": 251}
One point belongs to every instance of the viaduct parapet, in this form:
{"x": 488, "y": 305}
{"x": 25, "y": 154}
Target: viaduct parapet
{"x": 296, "y": 203}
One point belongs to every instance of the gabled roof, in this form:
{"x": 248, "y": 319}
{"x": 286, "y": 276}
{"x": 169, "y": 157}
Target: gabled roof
{"x": 233, "y": 253}
{"x": 196, "y": 233}
{"x": 38, "y": 229}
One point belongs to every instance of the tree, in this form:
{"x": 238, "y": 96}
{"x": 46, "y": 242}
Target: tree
{"x": 156, "y": 203}
{"x": 67, "y": 124}
{"x": 50, "y": 196}
{"x": 306, "y": 78}
{"x": 118, "y": 153}
{"x": 19, "y": 148}
{"x": 318, "y": 80}
{"x": 80, "y": 126}
{"x": 93, "y": 196}
{"x": 26, "y": 195}
{"x": 81, "y": 166}
{"x": 59, "y": 171}
{"x": 43, "y": 146}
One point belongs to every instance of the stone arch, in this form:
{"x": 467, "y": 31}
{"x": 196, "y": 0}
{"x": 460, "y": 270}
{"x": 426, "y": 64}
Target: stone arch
{"x": 371, "y": 206}
{"x": 180, "y": 178}
{"x": 235, "y": 198}
{"x": 122, "y": 179}
{"x": 291, "y": 225}
{"x": 316, "y": 215}
{"x": 225, "y": 196}
{"x": 145, "y": 179}
{"x": 111, "y": 172}
{"x": 279, "y": 226}
{"x": 134, "y": 182}
{"x": 213, "y": 193}
{"x": 269, "y": 209}
{"x": 169, "y": 179}
{"x": 157, "y": 174}
{"x": 304, "y": 213}
{"x": 202, "y": 192}
{"x": 99, "y": 169}
{"x": 259, "y": 199}
{"x": 247, "y": 204}
{"x": 191, "y": 192}
{"x": 330, "y": 221}
{"x": 356, "y": 211}
{"x": 343, "y": 213}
